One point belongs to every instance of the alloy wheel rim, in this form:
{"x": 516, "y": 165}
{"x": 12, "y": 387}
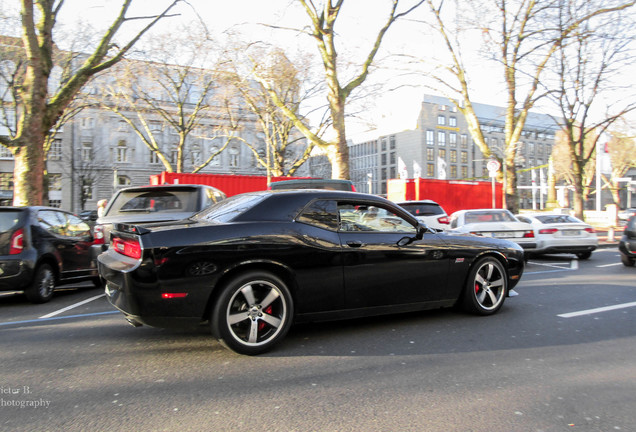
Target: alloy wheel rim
{"x": 256, "y": 313}
{"x": 489, "y": 286}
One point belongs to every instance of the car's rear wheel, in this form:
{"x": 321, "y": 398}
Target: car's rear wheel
{"x": 627, "y": 261}
{"x": 42, "y": 286}
{"x": 252, "y": 313}
{"x": 584, "y": 255}
{"x": 486, "y": 287}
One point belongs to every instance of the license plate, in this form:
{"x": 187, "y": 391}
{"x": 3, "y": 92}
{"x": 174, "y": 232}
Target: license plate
{"x": 571, "y": 232}
{"x": 503, "y": 234}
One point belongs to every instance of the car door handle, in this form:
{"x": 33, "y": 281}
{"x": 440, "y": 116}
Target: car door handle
{"x": 354, "y": 244}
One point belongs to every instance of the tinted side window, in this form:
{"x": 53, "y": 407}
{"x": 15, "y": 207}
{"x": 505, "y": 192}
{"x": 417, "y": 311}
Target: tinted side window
{"x": 52, "y": 221}
{"x": 76, "y": 227}
{"x": 322, "y": 214}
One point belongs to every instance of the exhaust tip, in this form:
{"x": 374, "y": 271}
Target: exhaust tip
{"x": 133, "y": 322}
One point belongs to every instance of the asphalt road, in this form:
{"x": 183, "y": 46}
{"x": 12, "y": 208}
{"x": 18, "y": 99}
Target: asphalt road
{"x": 558, "y": 357}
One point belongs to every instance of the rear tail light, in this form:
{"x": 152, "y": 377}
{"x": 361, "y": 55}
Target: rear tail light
{"x": 548, "y": 231}
{"x": 590, "y": 230}
{"x": 130, "y": 248}
{"x": 17, "y": 242}
{"x": 443, "y": 220}
{"x": 98, "y": 234}
{"x": 528, "y": 234}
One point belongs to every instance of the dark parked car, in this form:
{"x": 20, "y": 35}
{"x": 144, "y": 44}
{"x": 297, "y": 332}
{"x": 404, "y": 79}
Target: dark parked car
{"x": 255, "y": 262}
{"x": 42, "y": 247}
{"x": 153, "y": 203}
{"x": 627, "y": 244}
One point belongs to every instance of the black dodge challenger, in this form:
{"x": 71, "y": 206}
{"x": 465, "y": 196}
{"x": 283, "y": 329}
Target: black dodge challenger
{"x": 254, "y": 263}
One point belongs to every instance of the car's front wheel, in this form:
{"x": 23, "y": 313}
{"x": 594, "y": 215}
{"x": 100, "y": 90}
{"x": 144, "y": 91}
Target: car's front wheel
{"x": 486, "y": 287}
{"x": 627, "y": 261}
{"x": 42, "y": 286}
{"x": 252, "y": 313}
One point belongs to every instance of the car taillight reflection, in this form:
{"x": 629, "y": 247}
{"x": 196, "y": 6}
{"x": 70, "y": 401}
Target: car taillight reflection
{"x": 590, "y": 230}
{"x": 528, "y": 234}
{"x": 130, "y": 248}
{"x": 98, "y": 234}
{"x": 17, "y": 242}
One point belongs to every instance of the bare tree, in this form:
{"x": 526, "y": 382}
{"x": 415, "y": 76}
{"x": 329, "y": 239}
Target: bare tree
{"x": 285, "y": 150}
{"x": 36, "y": 106}
{"x": 585, "y": 68}
{"x": 177, "y": 110}
{"x": 622, "y": 151}
{"x": 521, "y": 36}
{"x": 322, "y": 22}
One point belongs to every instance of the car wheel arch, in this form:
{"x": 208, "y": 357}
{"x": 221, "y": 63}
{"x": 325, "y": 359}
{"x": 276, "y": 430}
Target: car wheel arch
{"x": 53, "y": 262}
{"x": 280, "y": 270}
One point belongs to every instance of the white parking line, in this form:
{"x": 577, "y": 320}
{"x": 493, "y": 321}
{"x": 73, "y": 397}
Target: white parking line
{"x": 574, "y": 265}
{"x": 57, "y": 312}
{"x": 609, "y": 265}
{"x": 597, "y": 310}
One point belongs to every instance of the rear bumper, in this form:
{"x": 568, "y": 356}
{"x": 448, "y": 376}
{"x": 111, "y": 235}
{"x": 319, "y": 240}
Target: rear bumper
{"x": 15, "y": 273}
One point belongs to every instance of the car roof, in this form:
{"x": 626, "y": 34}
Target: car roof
{"x": 417, "y": 202}
{"x": 284, "y": 204}
{"x": 165, "y": 187}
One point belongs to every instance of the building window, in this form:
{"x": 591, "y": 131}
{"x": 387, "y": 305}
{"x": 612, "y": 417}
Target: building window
{"x": 453, "y": 156}
{"x": 234, "y": 157}
{"x": 430, "y": 155}
{"x": 441, "y": 138}
{"x": 430, "y": 170}
{"x": 441, "y": 120}
{"x": 452, "y": 121}
{"x": 216, "y": 161}
{"x": 464, "y": 172}
{"x": 442, "y": 107}
{"x": 464, "y": 157}
{"x": 442, "y": 154}
{"x": 452, "y": 139}
{"x": 122, "y": 125}
{"x": 56, "y": 203}
{"x": 453, "y": 171}
{"x": 464, "y": 141}
{"x": 6, "y": 181}
{"x": 154, "y": 157}
{"x": 392, "y": 142}
{"x": 86, "y": 152}
{"x": 383, "y": 159}
{"x": 430, "y": 138}
{"x": 55, "y": 152}
{"x": 174, "y": 155}
{"x": 87, "y": 123}
{"x": 87, "y": 189}
{"x": 123, "y": 181}
{"x": 155, "y": 126}
{"x": 122, "y": 151}
{"x": 392, "y": 159}
{"x": 5, "y": 153}
{"x": 55, "y": 182}
{"x": 196, "y": 155}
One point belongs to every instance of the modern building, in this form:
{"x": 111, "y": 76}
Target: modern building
{"x": 441, "y": 147}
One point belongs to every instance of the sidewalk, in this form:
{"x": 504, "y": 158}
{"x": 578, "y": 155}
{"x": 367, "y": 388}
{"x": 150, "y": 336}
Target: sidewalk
{"x": 607, "y": 238}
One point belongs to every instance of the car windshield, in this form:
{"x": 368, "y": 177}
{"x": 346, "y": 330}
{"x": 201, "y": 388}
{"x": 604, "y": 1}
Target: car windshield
{"x": 230, "y": 208}
{"x": 422, "y": 209}
{"x": 550, "y": 219}
{"x": 172, "y": 201}
{"x": 489, "y": 216}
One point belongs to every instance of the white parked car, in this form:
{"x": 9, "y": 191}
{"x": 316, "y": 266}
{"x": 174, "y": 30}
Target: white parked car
{"x": 559, "y": 233}
{"x": 429, "y": 212}
{"x": 498, "y": 223}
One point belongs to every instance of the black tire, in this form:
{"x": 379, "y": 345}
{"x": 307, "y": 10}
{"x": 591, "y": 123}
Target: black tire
{"x": 42, "y": 286}
{"x": 252, "y": 313}
{"x": 486, "y": 287}
{"x": 627, "y": 261}
{"x": 584, "y": 255}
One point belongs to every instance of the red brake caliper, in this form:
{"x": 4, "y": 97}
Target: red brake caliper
{"x": 267, "y": 310}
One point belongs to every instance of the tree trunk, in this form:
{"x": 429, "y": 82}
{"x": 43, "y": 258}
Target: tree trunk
{"x": 28, "y": 171}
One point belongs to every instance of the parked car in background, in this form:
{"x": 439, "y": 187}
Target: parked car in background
{"x": 627, "y": 243}
{"x": 88, "y": 215}
{"x": 331, "y": 184}
{"x": 497, "y": 223}
{"x": 41, "y": 248}
{"x": 429, "y": 212}
{"x": 561, "y": 233}
{"x": 156, "y": 203}
{"x": 624, "y": 215}
{"x": 252, "y": 264}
